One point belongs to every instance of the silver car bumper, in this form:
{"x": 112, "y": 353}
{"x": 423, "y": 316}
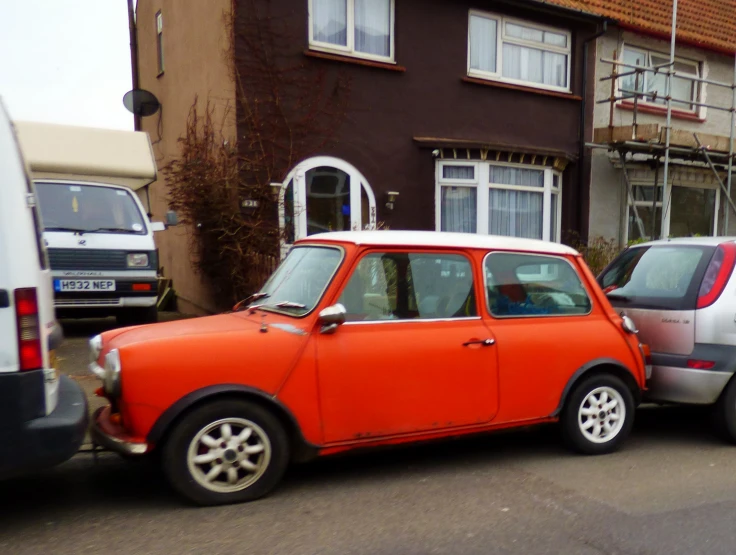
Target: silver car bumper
{"x": 686, "y": 385}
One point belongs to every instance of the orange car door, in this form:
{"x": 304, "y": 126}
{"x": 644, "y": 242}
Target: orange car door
{"x": 545, "y": 327}
{"x": 414, "y": 354}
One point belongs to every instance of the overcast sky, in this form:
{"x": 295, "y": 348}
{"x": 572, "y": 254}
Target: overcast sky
{"x": 66, "y": 61}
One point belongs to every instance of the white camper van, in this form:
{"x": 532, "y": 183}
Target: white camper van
{"x": 43, "y": 417}
{"x": 99, "y": 238}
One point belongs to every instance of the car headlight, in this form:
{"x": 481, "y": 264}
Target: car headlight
{"x": 137, "y": 260}
{"x": 111, "y": 380}
{"x": 95, "y": 348}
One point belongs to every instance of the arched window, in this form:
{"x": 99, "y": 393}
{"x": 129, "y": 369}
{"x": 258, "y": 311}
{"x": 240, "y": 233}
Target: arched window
{"x": 324, "y": 194}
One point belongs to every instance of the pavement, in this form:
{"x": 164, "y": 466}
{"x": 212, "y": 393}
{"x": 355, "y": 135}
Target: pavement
{"x": 671, "y": 490}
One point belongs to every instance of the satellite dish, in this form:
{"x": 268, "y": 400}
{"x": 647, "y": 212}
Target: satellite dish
{"x": 141, "y": 102}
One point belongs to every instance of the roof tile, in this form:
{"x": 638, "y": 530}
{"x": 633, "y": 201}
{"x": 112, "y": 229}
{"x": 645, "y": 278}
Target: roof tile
{"x": 707, "y": 23}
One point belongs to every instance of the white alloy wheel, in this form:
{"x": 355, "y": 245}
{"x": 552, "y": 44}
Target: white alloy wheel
{"x": 601, "y": 414}
{"x": 229, "y": 455}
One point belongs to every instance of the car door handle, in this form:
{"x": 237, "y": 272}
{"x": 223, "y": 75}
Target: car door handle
{"x": 483, "y": 342}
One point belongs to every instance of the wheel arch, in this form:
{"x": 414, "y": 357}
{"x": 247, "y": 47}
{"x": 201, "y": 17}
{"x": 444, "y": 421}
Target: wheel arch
{"x": 301, "y": 449}
{"x": 595, "y": 367}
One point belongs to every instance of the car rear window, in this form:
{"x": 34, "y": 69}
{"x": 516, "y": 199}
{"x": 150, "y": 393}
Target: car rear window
{"x": 665, "y": 277}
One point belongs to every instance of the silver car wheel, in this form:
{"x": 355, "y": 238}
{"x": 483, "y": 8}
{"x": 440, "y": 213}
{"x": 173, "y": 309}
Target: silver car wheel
{"x": 229, "y": 455}
{"x": 601, "y": 414}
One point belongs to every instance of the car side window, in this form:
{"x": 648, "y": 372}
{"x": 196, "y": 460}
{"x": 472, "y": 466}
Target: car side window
{"x": 407, "y": 286}
{"x": 520, "y": 285}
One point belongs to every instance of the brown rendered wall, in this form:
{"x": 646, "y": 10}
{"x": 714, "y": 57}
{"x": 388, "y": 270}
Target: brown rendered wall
{"x": 387, "y": 109}
{"x": 196, "y": 50}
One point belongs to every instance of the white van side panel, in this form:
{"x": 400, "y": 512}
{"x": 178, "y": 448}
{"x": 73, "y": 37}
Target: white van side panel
{"x": 22, "y": 259}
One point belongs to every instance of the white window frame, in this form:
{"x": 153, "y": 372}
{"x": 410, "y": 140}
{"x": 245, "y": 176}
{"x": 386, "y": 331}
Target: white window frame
{"x": 482, "y": 183}
{"x": 349, "y": 49}
{"x": 699, "y": 87}
{"x": 297, "y": 178}
{"x": 629, "y": 212}
{"x": 501, "y": 37}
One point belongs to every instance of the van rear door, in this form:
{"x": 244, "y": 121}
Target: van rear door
{"x": 657, "y": 287}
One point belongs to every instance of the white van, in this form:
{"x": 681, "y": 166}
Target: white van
{"x": 43, "y": 417}
{"x": 100, "y": 241}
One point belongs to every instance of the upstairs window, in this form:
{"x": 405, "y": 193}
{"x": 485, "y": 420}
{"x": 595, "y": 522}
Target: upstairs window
{"x": 683, "y": 89}
{"x": 360, "y": 28}
{"x": 518, "y": 52}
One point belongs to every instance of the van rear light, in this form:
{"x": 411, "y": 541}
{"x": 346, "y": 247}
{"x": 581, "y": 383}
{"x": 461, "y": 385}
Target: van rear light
{"x": 29, "y": 331}
{"x": 716, "y": 274}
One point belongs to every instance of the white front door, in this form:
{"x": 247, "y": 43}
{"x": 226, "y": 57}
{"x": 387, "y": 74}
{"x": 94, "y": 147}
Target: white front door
{"x": 324, "y": 194}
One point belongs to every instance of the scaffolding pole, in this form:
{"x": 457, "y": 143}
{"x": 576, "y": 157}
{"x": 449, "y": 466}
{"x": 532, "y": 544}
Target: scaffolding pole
{"x": 729, "y": 178}
{"x": 668, "y": 128}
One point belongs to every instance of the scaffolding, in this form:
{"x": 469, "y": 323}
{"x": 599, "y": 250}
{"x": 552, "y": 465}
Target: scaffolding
{"x": 676, "y": 145}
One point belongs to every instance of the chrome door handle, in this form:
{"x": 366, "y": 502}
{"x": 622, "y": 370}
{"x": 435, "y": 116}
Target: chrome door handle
{"x": 484, "y": 342}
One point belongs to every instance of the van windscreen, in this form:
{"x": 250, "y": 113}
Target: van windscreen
{"x": 664, "y": 277}
{"x": 88, "y": 209}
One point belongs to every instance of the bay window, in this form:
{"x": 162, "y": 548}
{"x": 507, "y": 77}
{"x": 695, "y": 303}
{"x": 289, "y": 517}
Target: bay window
{"x": 505, "y": 49}
{"x": 513, "y": 200}
{"x": 360, "y": 28}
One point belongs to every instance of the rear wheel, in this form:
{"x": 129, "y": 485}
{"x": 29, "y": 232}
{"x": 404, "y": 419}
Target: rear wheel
{"x": 724, "y": 413}
{"x": 598, "y": 415}
{"x": 226, "y": 452}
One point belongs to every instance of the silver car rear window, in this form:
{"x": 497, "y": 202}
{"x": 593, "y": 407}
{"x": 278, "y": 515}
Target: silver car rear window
{"x": 663, "y": 277}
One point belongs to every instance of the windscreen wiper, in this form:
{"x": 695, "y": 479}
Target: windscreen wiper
{"x": 248, "y": 300}
{"x": 62, "y": 228}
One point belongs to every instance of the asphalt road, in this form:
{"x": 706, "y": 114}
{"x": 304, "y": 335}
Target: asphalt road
{"x": 671, "y": 490}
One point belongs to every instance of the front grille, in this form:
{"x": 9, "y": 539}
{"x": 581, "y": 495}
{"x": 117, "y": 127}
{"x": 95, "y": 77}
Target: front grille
{"x": 93, "y": 259}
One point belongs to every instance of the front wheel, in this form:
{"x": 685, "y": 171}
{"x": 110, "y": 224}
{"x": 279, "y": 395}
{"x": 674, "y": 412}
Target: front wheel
{"x": 226, "y": 452}
{"x": 598, "y": 415}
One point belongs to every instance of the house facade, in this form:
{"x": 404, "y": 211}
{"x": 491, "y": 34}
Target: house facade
{"x": 623, "y": 203}
{"x": 458, "y": 116}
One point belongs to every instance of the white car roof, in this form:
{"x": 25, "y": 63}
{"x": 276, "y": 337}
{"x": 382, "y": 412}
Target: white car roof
{"x": 391, "y": 238}
{"x": 705, "y": 241}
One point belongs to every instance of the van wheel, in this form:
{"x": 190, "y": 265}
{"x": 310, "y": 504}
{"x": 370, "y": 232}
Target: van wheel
{"x": 598, "y": 415}
{"x": 226, "y": 452}
{"x": 137, "y": 316}
{"x": 724, "y": 413}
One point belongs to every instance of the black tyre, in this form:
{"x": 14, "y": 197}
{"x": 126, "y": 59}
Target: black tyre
{"x": 598, "y": 415}
{"x": 724, "y": 413}
{"x": 138, "y": 316}
{"x": 225, "y": 452}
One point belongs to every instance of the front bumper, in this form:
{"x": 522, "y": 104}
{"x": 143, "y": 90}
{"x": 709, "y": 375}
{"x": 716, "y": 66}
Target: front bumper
{"x": 686, "y": 385}
{"x": 113, "y": 436}
{"x": 49, "y": 440}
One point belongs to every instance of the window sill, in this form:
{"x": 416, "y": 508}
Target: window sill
{"x": 509, "y": 86}
{"x": 660, "y": 111}
{"x": 354, "y": 60}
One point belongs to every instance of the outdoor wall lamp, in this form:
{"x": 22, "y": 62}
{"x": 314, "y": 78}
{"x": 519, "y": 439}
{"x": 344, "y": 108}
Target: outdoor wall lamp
{"x": 276, "y": 189}
{"x": 391, "y": 199}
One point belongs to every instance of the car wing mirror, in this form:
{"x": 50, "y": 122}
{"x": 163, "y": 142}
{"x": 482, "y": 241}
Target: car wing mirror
{"x": 332, "y": 318}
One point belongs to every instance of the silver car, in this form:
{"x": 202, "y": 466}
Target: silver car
{"x": 681, "y": 294}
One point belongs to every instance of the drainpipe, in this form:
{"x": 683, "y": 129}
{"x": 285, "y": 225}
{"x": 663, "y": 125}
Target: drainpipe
{"x": 133, "y": 56}
{"x": 583, "y": 106}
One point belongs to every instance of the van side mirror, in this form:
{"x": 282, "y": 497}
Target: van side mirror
{"x": 331, "y": 318}
{"x": 157, "y": 226}
{"x": 172, "y": 218}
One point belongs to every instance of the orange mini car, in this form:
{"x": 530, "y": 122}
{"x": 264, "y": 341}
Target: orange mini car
{"x": 372, "y": 338}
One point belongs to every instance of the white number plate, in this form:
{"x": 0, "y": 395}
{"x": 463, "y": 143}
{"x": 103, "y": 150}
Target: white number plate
{"x": 65, "y": 285}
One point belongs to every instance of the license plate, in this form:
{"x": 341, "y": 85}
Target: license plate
{"x": 66, "y": 285}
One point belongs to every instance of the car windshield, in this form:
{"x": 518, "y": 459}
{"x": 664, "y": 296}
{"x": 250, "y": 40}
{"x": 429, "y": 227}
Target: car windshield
{"x": 88, "y": 209}
{"x": 658, "y": 277}
{"x": 300, "y": 281}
